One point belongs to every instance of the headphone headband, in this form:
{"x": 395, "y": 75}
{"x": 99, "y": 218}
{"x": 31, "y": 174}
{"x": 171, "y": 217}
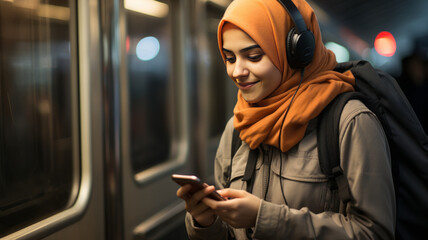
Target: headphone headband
{"x": 294, "y": 14}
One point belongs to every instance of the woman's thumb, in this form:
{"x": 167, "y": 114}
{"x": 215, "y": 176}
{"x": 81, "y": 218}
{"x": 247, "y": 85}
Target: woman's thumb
{"x": 231, "y": 193}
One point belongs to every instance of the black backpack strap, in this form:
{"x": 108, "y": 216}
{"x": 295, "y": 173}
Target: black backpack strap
{"x": 250, "y": 169}
{"x": 251, "y": 162}
{"x": 328, "y": 144}
{"x": 236, "y": 143}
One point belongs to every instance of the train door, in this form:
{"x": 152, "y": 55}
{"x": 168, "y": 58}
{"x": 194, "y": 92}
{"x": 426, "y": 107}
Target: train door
{"x": 50, "y": 185}
{"x": 153, "y": 89}
{"x": 156, "y": 62}
{"x": 149, "y": 123}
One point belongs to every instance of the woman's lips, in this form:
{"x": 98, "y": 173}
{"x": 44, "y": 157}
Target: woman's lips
{"x": 246, "y": 85}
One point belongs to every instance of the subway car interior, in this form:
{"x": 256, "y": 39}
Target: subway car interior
{"x": 102, "y": 100}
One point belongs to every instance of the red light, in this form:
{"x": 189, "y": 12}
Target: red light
{"x": 385, "y": 44}
{"x": 127, "y": 44}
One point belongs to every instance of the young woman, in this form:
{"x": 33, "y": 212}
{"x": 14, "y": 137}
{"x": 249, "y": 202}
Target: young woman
{"x": 276, "y": 114}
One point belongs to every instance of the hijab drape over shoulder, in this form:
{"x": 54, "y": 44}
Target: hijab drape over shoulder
{"x": 268, "y": 23}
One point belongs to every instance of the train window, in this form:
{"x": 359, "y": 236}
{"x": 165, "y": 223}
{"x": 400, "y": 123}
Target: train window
{"x": 150, "y": 83}
{"x": 39, "y": 153}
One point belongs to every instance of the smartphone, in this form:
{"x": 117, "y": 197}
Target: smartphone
{"x": 196, "y": 184}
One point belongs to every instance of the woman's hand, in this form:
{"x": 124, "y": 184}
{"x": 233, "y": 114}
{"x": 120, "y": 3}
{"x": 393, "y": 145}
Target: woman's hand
{"x": 240, "y": 211}
{"x": 203, "y": 215}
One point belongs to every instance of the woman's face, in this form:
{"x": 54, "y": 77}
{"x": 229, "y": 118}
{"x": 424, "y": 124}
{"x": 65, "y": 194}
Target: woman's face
{"x": 248, "y": 66}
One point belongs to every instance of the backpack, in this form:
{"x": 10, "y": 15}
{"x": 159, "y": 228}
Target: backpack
{"x": 407, "y": 140}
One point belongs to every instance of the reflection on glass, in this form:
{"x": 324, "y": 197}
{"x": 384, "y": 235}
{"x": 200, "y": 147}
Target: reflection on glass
{"x": 36, "y": 133}
{"x": 150, "y": 83}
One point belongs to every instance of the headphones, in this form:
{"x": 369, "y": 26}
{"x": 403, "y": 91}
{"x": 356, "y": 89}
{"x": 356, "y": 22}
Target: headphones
{"x": 300, "y": 43}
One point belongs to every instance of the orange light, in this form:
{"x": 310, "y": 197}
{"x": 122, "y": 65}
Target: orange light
{"x": 385, "y": 44}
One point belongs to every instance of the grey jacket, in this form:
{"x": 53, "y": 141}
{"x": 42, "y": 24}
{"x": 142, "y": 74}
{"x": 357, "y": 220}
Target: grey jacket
{"x": 312, "y": 210}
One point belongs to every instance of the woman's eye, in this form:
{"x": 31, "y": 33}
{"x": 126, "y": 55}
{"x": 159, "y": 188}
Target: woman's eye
{"x": 256, "y": 57}
{"x": 230, "y": 59}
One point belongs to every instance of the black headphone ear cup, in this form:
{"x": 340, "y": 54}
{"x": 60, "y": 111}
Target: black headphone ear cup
{"x": 300, "y": 48}
{"x": 304, "y": 48}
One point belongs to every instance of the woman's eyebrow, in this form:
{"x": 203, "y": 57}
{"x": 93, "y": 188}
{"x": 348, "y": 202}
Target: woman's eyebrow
{"x": 244, "y": 49}
{"x": 227, "y": 50}
{"x": 249, "y": 48}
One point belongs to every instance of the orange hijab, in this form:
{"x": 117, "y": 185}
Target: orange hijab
{"x": 268, "y": 23}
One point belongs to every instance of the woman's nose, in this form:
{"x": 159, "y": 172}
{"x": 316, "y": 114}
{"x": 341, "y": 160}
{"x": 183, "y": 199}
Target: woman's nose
{"x": 240, "y": 69}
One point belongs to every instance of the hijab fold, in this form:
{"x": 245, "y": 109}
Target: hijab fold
{"x": 268, "y": 23}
